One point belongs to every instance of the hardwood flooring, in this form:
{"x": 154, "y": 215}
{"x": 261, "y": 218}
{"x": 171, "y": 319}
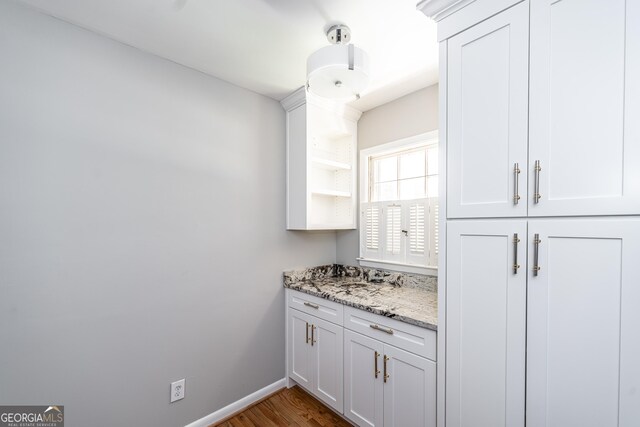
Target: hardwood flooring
{"x": 289, "y": 407}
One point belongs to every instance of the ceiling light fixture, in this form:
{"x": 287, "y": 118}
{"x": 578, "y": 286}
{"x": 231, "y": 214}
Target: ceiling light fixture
{"x": 338, "y": 71}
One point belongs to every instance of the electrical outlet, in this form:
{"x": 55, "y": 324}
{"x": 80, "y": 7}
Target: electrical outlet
{"x": 177, "y": 390}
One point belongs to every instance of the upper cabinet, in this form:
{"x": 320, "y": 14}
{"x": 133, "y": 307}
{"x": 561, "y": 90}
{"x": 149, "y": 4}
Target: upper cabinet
{"x": 321, "y": 163}
{"x": 542, "y": 108}
{"x": 487, "y": 117}
{"x": 585, "y": 107}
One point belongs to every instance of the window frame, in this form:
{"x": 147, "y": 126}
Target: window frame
{"x": 365, "y": 174}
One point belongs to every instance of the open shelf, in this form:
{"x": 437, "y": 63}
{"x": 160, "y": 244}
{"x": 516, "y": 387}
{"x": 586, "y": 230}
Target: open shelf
{"x": 330, "y": 164}
{"x": 322, "y": 192}
{"x": 321, "y": 163}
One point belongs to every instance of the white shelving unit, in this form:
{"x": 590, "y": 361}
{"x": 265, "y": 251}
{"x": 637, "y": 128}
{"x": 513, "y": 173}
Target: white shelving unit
{"x": 321, "y": 163}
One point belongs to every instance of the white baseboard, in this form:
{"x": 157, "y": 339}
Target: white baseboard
{"x": 238, "y": 405}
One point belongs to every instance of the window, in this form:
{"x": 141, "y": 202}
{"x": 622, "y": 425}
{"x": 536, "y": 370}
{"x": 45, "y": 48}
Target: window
{"x": 399, "y": 202}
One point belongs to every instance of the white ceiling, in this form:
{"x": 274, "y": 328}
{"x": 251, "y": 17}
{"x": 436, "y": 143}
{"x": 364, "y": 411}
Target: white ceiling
{"x": 263, "y": 45}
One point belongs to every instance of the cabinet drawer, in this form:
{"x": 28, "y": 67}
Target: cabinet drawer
{"x": 319, "y": 307}
{"x": 408, "y": 337}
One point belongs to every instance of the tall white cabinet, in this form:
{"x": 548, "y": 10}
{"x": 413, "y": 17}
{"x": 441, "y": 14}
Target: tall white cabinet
{"x": 487, "y": 117}
{"x": 585, "y": 105}
{"x": 539, "y": 281}
{"x": 321, "y": 163}
{"x": 583, "y": 339}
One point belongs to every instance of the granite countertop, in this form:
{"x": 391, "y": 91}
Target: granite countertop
{"x": 408, "y": 298}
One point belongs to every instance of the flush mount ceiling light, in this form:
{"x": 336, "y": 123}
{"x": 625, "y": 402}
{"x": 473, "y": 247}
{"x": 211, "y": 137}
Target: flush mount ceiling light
{"x": 338, "y": 71}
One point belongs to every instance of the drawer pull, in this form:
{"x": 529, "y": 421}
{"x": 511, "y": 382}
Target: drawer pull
{"x": 379, "y": 328}
{"x": 536, "y": 250}
{"x": 516, "y": 175}
{"x": 313, "y": 341}
{"x": 536, "y": 186}
{"x": 376, "y": 371}
{"x": 308, "y": 304}
{"x": 307, "y": 330}
{"x": 516, "y": 266}
{"x": 386, "y": 375}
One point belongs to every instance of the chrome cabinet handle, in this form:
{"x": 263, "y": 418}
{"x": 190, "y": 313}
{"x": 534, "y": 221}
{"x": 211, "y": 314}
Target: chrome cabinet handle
{"x": 307, "y": 331}
{"x": 386, "y": 375}
{"x": 536, "y": 191}
{"x": 376, "y": 371}
{"x": 536, "y": 244}
{"x": 516, "y": 184}
{"x": 313, "y": 328}
{"x": 516, "y": 266}
{"x": 308, "y": 304}
{"x": 379, "y": 328}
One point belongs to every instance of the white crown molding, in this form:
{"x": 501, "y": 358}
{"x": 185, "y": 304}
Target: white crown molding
{"x": 301, "y": 96}
{"x": 440, "y": 9}
{"x": 296, "y": 99}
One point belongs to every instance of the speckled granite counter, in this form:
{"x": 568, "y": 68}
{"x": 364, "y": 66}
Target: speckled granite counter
{"x": 410, "y": 298}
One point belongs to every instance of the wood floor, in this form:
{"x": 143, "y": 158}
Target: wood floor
{"x": 289, "y": 407}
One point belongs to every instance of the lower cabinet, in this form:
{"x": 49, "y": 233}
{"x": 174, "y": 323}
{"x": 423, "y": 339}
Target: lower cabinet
{"x": 382, "y": 365}
{"x": 315, "y": 355}
{"x": 543, "y": 315}
{"x": 387, "y": 386}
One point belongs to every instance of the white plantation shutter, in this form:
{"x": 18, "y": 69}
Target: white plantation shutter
{"x": 400, "y": 225}
{"x": 416, "y": 214}
{"x": 394, "y": 244}
{"x": 434, "y": 231}
{"x": 371, "y": 230}
{"x": 382, "y": 237}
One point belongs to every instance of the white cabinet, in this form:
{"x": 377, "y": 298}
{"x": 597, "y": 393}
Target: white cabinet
{"x": 390, "y": 371}
{"x": 585, "y": 105}
{"x": 579, "y": 290}
{"x": 374, "y": 370}
{"x": 486, "y": 315}
{"x": 583, "y": 151}
{"x": 327, "y": 354}
{"x": 487, "y": 117}
{"x": 409, "y": 390}
{"x": 315, "y": 357}
{"x": 321, "y": 163}
{"x": 363, "y": 386}
{"x": 299, "y": 350}
{"x": 387, "y": 386}
{"x": 583, "y": 347}
{"x": 561, "y": 102}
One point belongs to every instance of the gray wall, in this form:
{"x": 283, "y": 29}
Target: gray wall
{"x": 404, "y": 117}
{"x": 142, "y": 230}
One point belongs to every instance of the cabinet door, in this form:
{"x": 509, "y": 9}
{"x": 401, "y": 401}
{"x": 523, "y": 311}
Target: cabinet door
{"x": 327, "y": 362}
{"x": 486, "y": 314}
{"x": 409, "y": 390}
{"x": 300, "y": 368}
{"x": 585, "y": 105}
{"x": 487, "y": 98}
{"x": 583, "y": 321}
{"x": 363, "y": 384}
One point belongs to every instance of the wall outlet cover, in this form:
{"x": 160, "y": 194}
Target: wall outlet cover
{"x": 177, "y": 390}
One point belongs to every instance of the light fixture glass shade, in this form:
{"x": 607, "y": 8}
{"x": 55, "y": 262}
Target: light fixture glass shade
{"x": 329, "y": 74}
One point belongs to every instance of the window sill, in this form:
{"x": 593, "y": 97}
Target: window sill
{"x": 397, "y": 266}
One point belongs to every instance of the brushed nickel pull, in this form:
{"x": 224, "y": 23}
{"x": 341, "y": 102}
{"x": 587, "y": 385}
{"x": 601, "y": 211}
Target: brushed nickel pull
{"x": 379, "y": 328}
{"x": 536, "y": 191}
{"x": 516, "y": 176}
{"x": 313, "y": 328}
{"x": 386, "y": 375}
{"x": 308, "y": 304}
{"x": 376, "y": 371}
{"x": 516, "y": 266}
{"x": 307, "y": 331}
{"x": 536, "y": 244}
